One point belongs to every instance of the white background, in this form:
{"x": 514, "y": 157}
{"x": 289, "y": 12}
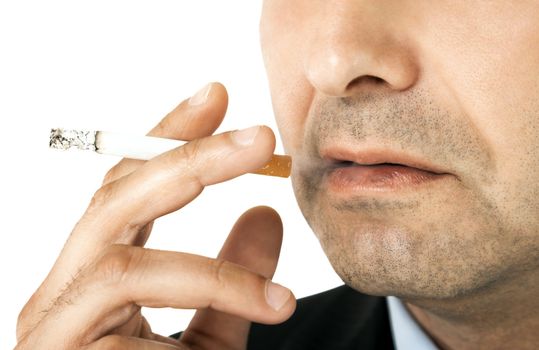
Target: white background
{"x": 121, "y": 66}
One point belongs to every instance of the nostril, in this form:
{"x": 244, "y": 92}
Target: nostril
{"x": 365, "y": 80}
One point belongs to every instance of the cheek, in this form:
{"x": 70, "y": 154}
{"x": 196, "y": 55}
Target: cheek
{"x": 492, "y": 75}
{"x": 498, "y": 90}
{"x": 291, "y": 107}
{"x": 282, "y": 39}
{"x": 290, "y": 92}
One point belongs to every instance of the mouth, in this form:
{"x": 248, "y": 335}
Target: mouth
{"x": 377, "y": 171}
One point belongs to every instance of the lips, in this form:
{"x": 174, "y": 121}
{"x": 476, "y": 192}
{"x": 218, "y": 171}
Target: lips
{"x": 377, "y": 170}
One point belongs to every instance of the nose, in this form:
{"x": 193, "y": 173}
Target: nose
{"x": 354, "y": 48}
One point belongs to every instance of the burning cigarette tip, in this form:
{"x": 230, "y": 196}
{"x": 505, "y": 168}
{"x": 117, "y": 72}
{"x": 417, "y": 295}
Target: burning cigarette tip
{"x": 64, "y": 139}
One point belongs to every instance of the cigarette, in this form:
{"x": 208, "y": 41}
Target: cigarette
{"x": 141, "y": 147}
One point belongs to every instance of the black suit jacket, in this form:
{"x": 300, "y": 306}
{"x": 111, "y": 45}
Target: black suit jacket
{"x": 338, "y": 319}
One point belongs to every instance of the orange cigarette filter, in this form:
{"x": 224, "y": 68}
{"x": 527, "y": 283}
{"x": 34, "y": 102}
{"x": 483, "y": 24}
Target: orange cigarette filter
{"x": 279, "y": 165}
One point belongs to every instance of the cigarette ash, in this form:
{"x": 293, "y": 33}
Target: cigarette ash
{"x": 64, "y": 139}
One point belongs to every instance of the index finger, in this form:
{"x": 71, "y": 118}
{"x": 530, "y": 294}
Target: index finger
{"x": 188, "y": 121}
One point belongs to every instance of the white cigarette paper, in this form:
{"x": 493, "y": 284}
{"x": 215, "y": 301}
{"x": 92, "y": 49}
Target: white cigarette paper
{"x": 139, "y": 147}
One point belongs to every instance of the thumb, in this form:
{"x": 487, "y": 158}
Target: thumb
{"x": 255, "y": 243}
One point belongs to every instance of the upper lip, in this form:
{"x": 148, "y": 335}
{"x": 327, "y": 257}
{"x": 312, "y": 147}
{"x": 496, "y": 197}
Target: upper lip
{"x": 379, "y": 155}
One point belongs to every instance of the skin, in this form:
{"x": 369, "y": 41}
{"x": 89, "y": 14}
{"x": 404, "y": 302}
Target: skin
{"x": 92, "y": 297}
{"x": 451, "y": 82}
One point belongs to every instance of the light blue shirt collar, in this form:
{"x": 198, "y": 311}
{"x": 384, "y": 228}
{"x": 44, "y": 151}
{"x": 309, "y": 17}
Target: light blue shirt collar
{"x": 407, "y": 334}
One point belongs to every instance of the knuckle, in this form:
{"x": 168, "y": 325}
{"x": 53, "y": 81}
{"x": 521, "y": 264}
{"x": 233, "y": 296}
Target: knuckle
{"x": 23, "y": 316}
{"x": 23, "y": 323}
{"x": 220, "y": 271}
{"x": 111, "y": 174}
{"x": 101, "y": 196}
{"x": 116, "y": 262}
{"x": 191, "y": 153}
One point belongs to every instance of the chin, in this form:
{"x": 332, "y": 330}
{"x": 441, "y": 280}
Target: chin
{"x": 437, "y": 241}
{"x": 419, "y": 260}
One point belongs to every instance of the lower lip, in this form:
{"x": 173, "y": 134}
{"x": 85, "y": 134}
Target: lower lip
{"x": 378, "y": 178}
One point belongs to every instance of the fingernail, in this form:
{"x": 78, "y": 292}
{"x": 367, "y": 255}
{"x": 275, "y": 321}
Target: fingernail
{"x": 245, "y": 137}
{"x": 276, "y": 295}
{"x": 201, "y": 96}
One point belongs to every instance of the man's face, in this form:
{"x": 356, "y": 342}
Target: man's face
{"x": 444, "y": 97}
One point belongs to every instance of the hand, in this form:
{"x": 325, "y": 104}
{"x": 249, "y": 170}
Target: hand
{"x": 92, "y": 297}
